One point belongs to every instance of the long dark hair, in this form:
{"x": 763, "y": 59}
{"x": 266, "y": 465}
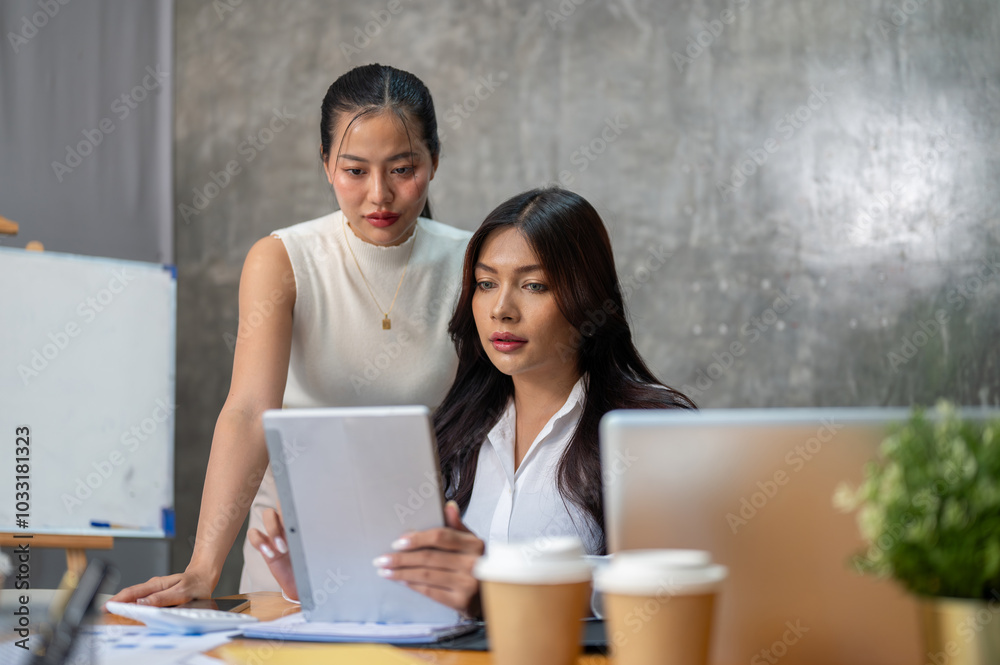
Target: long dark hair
{"x": 572, "y": 244}
{"x": 371, "y": 89}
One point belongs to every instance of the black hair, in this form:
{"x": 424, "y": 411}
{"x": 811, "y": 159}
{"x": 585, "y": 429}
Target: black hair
{"x": 569, "y": 238}
{"x": 374, "y": 89}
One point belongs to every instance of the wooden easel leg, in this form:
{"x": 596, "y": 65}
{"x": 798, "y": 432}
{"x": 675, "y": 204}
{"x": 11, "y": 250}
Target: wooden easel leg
{"x": 76, "y": 562}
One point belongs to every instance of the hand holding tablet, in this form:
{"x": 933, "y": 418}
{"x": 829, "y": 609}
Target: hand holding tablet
{"x": 438, "y": 562}
{"x": 351, "y": 482}
{"x": 273, "y": 545}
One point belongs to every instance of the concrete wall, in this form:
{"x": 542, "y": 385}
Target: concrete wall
{"x": 814, "y": 181}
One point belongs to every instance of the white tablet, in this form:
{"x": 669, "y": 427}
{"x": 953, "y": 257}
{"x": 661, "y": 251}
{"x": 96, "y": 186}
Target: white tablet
{"x": 350, "y": 482}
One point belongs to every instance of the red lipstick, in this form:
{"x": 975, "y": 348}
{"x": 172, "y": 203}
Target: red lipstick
{"x": 504, "y": 341}
{"x": 382, "y": 219}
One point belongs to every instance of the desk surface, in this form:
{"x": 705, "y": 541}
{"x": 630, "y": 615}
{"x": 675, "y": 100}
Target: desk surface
{"x": 268, "y": 605}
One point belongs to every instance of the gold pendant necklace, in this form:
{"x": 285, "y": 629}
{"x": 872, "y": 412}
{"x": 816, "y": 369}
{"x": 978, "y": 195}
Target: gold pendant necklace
{"x": 386, "y": 322}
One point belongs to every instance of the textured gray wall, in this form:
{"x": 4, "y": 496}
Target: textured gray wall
{"x": 871, "y": 212}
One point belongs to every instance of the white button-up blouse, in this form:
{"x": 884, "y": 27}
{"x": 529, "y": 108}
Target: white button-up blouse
{"x": 525, "y": 505}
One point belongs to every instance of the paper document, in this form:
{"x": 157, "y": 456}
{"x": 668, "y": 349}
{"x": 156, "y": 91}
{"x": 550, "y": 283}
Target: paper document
{"x": 295, "y": 627}
{"x": 128, "y": 645}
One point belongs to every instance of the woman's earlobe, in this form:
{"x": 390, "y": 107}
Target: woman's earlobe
{"x": 325, "y": 159}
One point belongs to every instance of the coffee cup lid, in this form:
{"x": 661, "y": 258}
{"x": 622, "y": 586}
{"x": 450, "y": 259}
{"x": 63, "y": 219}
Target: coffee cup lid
{"x": 669, "y": 558}
{"x": 556, "y": 560}
{"x": 656, "y": 572}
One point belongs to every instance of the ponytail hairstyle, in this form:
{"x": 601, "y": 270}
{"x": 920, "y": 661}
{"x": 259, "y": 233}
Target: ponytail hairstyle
{"x": 373, "y": 89}
{"x": 572, "y": 245}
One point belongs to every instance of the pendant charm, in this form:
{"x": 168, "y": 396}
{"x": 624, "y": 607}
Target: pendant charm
{"x": 386, "y": 324}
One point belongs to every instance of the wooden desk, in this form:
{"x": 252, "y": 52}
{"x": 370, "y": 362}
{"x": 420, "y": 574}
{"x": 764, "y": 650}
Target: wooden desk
{"x": 269, "y": 605}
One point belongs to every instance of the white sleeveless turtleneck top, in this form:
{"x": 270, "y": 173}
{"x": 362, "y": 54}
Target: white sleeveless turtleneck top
{"x": 340, "y": 354}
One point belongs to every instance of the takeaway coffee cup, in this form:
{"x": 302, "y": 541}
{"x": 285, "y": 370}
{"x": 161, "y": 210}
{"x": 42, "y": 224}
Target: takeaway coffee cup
{"x": 535, "y": 595}
{"x": 659, "y": 605}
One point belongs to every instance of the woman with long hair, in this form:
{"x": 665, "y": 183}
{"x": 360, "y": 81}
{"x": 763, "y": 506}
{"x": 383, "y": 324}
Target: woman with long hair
{"x": 544, "y": 351}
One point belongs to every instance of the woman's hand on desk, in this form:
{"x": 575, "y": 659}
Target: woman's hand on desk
{"x": 438, "y": 562}
{"x": 273, "y": 546}
{"x": 168, "y": 590}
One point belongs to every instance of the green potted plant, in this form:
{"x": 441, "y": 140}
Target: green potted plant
{"x": 929, "y": 509}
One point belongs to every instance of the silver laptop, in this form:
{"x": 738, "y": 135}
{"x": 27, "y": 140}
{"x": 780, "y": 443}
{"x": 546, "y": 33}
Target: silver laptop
{"x": 755, "y": 488}
{"x": 350, "y": 482}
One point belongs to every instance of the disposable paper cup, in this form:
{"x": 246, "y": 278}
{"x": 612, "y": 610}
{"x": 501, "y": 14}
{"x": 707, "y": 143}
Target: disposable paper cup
{"x": 659, "y": 606}
{"x": 534, "y": 597}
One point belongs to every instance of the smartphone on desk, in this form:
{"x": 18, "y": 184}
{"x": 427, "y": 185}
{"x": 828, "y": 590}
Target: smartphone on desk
{"x": 223, "y": 604}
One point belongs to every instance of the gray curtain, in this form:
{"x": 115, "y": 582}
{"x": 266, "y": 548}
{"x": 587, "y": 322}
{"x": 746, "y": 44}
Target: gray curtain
{"x": 86, "y": 98}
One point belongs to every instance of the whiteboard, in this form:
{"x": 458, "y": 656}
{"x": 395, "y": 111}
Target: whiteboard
{"x": 87, "y": 357}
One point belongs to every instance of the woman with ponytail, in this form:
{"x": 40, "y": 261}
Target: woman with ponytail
{"x": 350, "y": 309}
